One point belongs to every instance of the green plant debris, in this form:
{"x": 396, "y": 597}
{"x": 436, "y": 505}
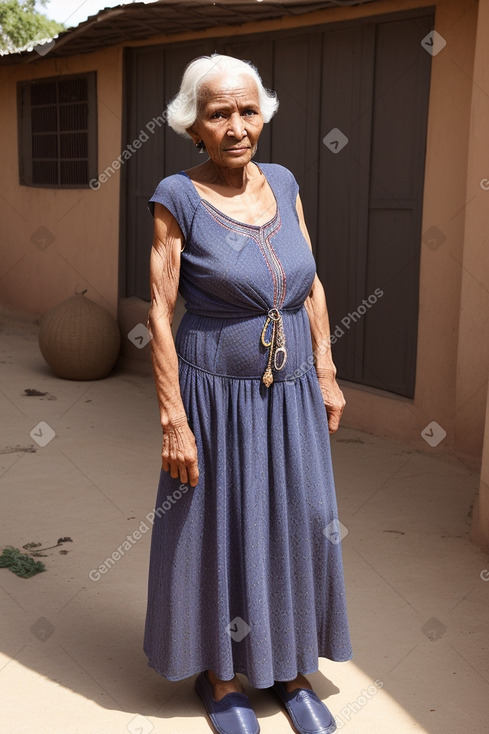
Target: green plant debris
{"x": 23, "y": 564}
{"x": 20, "y": 563}
{"x": 38, "y": 552}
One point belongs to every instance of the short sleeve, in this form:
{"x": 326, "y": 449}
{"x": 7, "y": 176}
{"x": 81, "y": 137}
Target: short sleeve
{"x": 286, "y": 180}
{"x": 173, "y": 193}
{"x": 294, "y": 186}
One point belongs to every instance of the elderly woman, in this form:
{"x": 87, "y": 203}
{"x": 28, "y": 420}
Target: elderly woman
{"x": 245, "y": 570}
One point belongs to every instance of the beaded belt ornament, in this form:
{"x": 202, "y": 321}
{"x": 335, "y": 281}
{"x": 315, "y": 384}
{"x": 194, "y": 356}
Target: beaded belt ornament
{"x": 277, "y": 355}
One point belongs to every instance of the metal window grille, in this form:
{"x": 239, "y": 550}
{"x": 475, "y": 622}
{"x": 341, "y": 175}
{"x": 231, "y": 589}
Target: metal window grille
{"x": 57, "y": 131}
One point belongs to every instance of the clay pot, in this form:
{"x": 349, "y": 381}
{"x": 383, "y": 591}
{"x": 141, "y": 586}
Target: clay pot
{"x": 79, "y": 339}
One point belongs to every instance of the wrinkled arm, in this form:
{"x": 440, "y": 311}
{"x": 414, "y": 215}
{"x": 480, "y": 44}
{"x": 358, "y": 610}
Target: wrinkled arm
{"x": 179, "y": 453}
{"x": 317, "y": 311}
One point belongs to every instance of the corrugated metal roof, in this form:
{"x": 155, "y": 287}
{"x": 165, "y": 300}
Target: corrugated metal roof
{"x": 140, "y": 21}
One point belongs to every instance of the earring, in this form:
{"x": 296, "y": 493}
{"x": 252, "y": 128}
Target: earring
{"x": 200, "y": 145}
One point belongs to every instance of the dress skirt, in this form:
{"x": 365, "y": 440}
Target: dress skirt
{"x": 245, "y": 569}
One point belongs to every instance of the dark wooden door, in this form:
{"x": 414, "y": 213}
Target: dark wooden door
{"x": 370, "y": 197}
{"x": 352, "y": 127}
{"x": 152, "y": 76}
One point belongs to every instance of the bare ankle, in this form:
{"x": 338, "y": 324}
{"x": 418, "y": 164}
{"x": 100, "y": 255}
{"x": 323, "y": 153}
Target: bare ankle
{"x": 221, "y": 688}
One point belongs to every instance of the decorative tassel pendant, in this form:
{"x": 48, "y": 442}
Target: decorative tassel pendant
{"x": 267, "y": 377}
{"x": 277, "y": 354}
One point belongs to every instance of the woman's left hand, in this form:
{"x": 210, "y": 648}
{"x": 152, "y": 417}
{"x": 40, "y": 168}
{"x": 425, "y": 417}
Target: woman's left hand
{"x": 333, "y": 398}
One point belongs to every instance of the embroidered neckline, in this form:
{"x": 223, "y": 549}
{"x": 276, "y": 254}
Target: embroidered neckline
{"x": 255, "y": 227}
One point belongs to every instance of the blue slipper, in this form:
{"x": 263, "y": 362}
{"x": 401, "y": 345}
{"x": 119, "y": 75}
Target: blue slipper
{"x": 232, "y": 714}
{"x": 308, "y": 713}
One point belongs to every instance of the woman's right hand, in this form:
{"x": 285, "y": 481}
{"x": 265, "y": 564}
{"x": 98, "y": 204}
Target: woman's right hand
{"x": 179, "y": 452}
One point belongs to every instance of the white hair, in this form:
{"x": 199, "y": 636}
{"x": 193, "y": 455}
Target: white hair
{"x": 181, "y": 112}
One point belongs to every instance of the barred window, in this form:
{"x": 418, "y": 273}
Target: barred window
{"x": 58, "y": 131}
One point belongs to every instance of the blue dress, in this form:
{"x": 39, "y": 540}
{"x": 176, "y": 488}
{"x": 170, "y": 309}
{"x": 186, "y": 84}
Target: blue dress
{"x": 245, "y": 569}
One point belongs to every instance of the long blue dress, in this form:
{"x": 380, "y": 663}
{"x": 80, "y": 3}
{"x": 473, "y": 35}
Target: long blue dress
{"x": 245, "y": 572}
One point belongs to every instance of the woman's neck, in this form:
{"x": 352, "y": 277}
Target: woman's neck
{"x": 235, "y": 178}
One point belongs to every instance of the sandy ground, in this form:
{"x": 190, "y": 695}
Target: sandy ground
{"x": 71, "y": 658}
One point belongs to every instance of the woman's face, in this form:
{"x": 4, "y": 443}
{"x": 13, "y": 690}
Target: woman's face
{"x": 229, "y": 120}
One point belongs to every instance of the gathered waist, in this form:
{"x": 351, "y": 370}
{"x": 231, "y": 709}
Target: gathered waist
{"x": 236, "y": 314}
{"x": 237, "y": 346}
